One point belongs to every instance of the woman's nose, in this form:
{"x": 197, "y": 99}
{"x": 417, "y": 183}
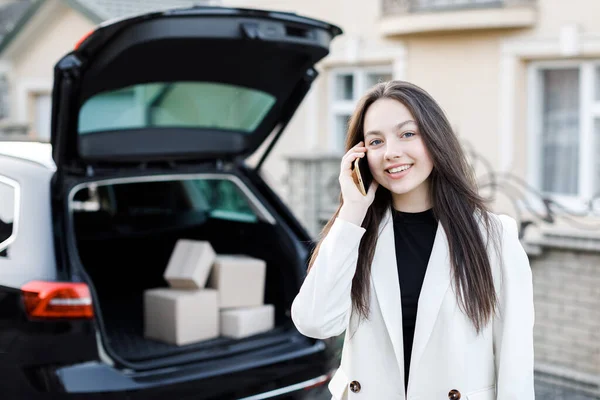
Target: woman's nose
{"x": 393, "y": 152}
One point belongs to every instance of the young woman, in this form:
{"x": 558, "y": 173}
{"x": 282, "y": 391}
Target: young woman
{"x": 433, "y": 291}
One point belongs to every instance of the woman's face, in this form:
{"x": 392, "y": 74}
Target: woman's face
{"x": 397, "y": 155}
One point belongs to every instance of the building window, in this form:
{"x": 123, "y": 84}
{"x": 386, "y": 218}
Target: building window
{"x": 565, "y": 162}
{"x": 9, "y": 210}
{"x": 347, "y": 86}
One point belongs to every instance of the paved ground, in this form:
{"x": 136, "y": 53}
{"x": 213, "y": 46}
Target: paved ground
{"x": 543, "y": 391}
{"x": 547, "y": 391}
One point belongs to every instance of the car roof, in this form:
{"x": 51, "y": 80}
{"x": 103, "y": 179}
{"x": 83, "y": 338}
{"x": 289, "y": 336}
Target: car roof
{"x": 38, "y": 152}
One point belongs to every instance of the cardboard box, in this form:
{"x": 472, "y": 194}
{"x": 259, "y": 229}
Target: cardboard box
{"x": 181, "y": 317}
{"x": 239, "y": 279}
{"x": 247, "y": 321}
{"x": 190, "y": 264}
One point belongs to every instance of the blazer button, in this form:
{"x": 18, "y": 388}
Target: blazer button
{"x": 355, "y": 386}
{"x": 454, "y": 395}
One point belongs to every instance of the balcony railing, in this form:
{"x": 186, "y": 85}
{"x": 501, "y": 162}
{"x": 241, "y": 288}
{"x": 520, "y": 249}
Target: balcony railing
{"x": 416, "y": 6}
{"x": 314, "y": 194}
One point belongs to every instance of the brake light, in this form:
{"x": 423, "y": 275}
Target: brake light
{"x": 83, "y": 38}
{"x": 57, "y": 300}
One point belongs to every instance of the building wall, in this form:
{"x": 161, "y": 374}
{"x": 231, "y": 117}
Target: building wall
{"x": 461, "y": 72}
{"x": 555, "y": 13}
{"x": 567, "y": 301}
{"x": 49, "y": 35}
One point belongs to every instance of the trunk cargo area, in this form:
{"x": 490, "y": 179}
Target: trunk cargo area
{"x": 125, "y": 243}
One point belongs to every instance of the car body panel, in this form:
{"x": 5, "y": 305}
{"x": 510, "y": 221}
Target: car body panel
{"x": 30, "y": 256}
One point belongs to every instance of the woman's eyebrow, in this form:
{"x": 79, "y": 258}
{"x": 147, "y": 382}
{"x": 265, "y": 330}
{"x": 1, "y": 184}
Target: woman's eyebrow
{"x": 398, "y": 127}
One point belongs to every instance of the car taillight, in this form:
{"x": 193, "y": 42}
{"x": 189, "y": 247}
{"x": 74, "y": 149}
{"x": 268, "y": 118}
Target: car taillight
{"x": 57, "y": 300}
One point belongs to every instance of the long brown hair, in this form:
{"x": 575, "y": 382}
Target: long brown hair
{"x": 456, "y": 204}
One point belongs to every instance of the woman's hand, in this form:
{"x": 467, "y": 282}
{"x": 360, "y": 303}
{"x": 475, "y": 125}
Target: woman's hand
{"x": 355, "y": 205}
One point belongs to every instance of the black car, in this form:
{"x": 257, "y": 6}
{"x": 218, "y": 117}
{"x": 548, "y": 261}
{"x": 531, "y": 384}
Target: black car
{"x": 154, "y": 120}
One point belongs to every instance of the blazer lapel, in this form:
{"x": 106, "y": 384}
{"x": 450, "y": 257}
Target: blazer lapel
{"x": 384, "y": 274}
{"x": 435, "y": 286}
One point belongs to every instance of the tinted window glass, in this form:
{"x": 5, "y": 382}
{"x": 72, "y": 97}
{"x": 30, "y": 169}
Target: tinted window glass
{"x": 225, "y": 200}
{"x": 219, "y": 198}
{"x": 178, "y": 105}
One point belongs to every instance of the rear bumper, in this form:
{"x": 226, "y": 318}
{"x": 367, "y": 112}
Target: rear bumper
{"x": 100, "y": 377}
{"x": 303, "y": 374}
{"x": 94, "y": 375}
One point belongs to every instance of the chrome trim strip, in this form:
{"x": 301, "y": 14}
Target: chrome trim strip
{"x": 262, "y": 212}
{"x": 288, "y": 389}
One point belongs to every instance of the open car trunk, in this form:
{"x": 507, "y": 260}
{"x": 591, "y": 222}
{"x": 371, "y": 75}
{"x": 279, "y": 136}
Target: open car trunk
{"x": 125, "y": 232}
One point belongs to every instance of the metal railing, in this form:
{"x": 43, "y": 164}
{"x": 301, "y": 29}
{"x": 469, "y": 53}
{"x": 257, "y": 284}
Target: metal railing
{"x": 416, "y": 6}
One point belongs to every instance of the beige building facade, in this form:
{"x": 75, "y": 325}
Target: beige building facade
{"x": 518, "y": 79}
{"x": 52, "y": 31}
{"x": 520, "y": 83}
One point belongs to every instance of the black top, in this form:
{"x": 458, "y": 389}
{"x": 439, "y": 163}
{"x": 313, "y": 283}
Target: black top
{"x": 414, "y": 235}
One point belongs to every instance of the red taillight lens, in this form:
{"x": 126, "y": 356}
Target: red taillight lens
{"x": 56, "y": 300}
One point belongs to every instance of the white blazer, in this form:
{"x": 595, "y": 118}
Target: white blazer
{"x": 447, "y": 356}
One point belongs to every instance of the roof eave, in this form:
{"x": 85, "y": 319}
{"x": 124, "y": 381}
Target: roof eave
{"x": 86, "y": 11}
{"x": 94, "y": 17}
{"x": 20, "y": 24}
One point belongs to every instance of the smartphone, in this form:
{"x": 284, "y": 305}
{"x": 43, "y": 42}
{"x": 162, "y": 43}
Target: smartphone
{"x": 363, "y": 174}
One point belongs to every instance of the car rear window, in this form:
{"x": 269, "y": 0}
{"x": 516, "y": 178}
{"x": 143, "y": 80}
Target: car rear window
{"x": 206, "y": 105}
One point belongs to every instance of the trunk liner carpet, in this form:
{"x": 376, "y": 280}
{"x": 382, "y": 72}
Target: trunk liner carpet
{"x": 125, "y": 332}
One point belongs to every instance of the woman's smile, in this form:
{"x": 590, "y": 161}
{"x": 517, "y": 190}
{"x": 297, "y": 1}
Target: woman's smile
{"x": 398, "y": 171}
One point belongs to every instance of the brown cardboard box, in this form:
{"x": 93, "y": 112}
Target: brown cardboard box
{"x": 247, "y": 321}
{"x": 239, "y": 279}
{"x": 190, "y": 264}
{"x": 179, "y": 316}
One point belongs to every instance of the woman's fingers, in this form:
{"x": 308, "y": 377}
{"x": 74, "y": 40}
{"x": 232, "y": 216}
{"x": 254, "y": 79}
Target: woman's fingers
{"x": 349, "y": 160}
{"x": 352, "y": 154}
{"x": 359, "y": 147}
{"x": 348, "y": 180}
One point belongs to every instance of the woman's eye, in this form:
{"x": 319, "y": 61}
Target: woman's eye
{"x": 408, "y": 134}
{"x": 374, "y": 142}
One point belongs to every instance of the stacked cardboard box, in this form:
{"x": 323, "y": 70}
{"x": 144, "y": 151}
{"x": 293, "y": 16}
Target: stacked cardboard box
{"x": 186, "y": 312}
{"x": 208, "y": 295}
{"x": 242, "y": 322}
{"x": 240, "y": 282}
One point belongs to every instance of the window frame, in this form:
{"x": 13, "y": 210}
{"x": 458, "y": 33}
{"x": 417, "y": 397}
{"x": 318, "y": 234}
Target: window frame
{"x": 588, "y": 112}
{"x": 17, "y": 212}
{"x": 261, "y": 211}
{"x": 346, "y": 107}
